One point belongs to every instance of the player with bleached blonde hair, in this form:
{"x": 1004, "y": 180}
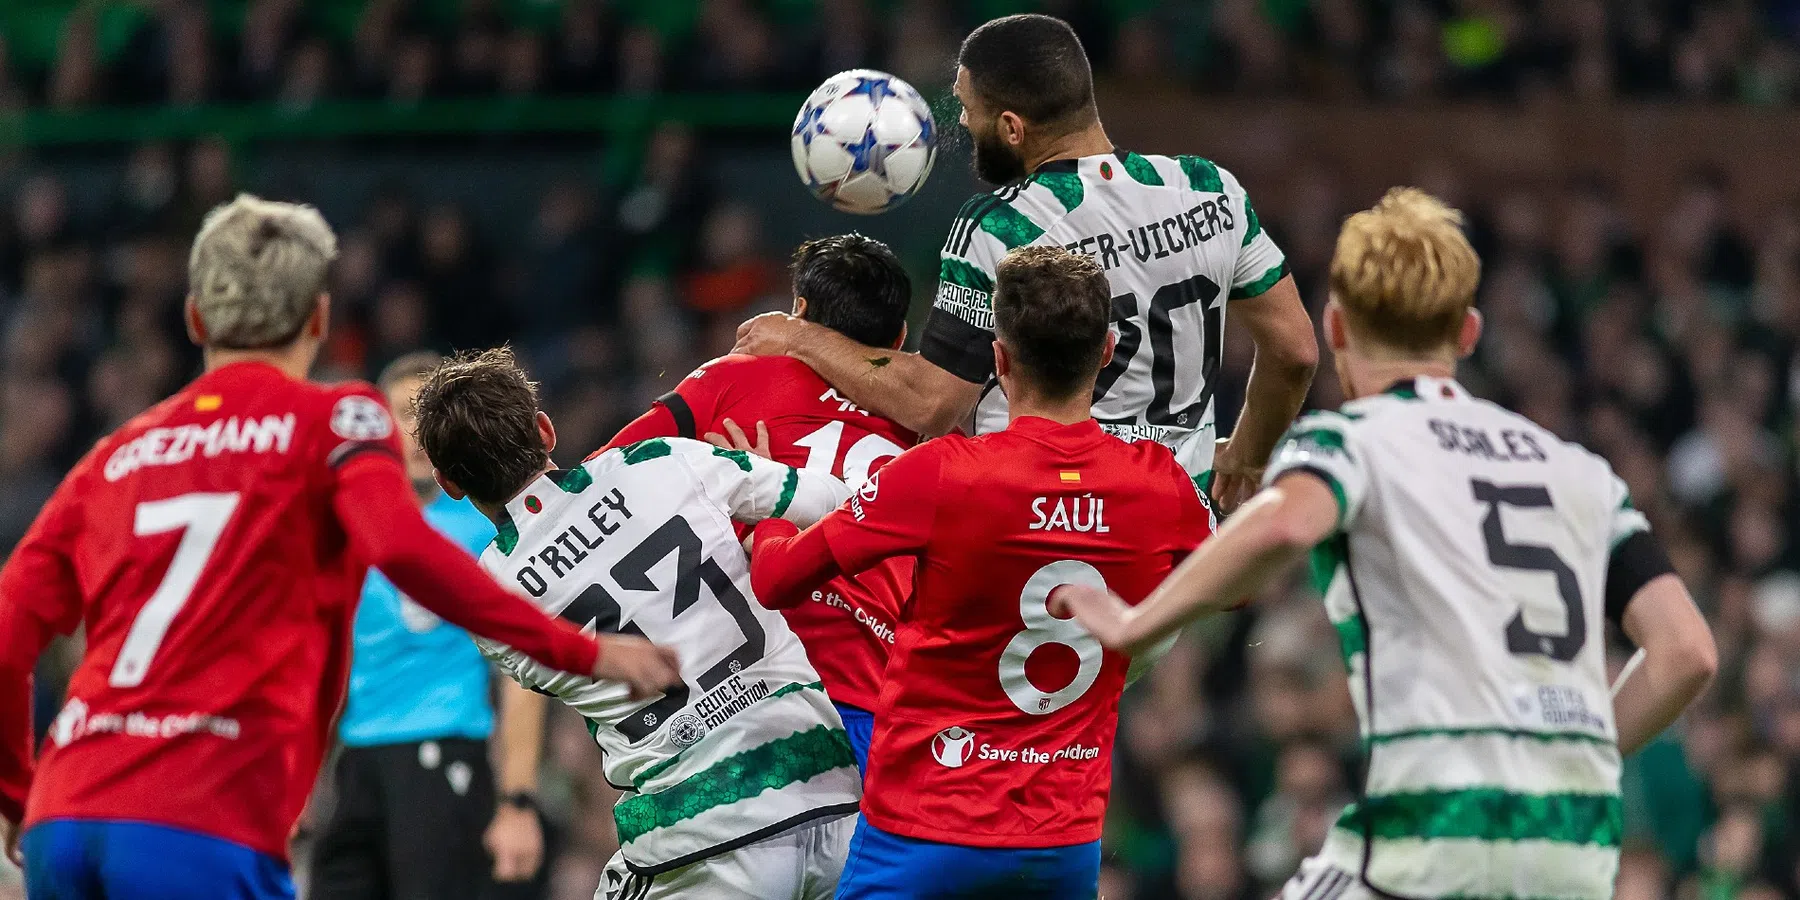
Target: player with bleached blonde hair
{"x": 1466, "y": 557}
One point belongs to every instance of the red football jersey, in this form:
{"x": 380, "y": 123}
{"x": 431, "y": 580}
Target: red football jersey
{"x": 214, "y": 549}
{"x": 848, "y": 624}
{"x": 995, "y": 725}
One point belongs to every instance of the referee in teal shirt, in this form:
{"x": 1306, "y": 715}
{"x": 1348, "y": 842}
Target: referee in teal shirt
{"x": 416, "y": 813}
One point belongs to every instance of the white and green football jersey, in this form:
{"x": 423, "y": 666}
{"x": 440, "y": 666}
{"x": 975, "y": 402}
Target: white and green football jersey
{"x": 639, "y": 540}
{"x": 1178, "y": 239}
{"x": 1468, "y": 581}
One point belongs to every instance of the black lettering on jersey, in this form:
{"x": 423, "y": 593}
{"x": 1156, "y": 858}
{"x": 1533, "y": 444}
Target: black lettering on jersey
{"x": 615, "y": 501}
{"x": 1109, "y": 250}
{"x": 1213, "y": 220}
{"x": 1169, "y": 231}
{"x": 1140, "y": 243}
{"x": 552, "y": 557}
{"x": 1225, "y": 215}
{"x": 1509, "y": 446}
{"x": 532, "y": 582}
{"x": 1155, "y": 229}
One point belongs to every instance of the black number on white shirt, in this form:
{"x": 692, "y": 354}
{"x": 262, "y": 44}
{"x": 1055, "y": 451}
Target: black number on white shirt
{"x": 595, "y": 606}
{"x": 1520, "y": 639}
{"x": 1158, "y": 321}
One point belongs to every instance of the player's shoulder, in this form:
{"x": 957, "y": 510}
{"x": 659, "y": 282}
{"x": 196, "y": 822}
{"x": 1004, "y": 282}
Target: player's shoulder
{"x": 1339, "y": 424}
{"x": 353, "y": 410}
{"x": 1007, "y": 217}
{"x": 1197, "y": 173}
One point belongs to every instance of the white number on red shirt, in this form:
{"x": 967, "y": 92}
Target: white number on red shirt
{"x": 822, "y": 449}
{"x": 200, "y": 518}
{"x": 1043, "y": 628}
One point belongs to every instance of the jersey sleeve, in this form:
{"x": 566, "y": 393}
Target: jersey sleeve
{"x": 891, "y": 514}
{"x": 682, "y": 412}
{"x": 959, "y": 332}
{"x": 1636, "y": 558}
{"x": 1321, "y": 444}
{"x": 1259, "y": 262}
{"x": 358, "y": 424}
{"x": 753, "y": 488}
{"x": 39, "y": 599}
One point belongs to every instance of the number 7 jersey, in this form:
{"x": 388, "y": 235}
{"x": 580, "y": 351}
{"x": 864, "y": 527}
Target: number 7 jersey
{"x": 1178, "y": 238}
{"x": 1476, "y": 559}
{"x": 639, "y": 540}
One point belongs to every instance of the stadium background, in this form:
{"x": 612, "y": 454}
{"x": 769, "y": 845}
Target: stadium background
{"x": 607, "y": 185}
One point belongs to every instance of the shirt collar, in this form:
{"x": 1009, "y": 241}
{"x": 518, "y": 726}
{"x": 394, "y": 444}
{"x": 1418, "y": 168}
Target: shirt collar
{"x": 1035, "y": 425}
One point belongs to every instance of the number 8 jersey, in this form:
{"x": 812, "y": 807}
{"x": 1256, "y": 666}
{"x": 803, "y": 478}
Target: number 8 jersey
{"x": 996, "y": 723}
{"x": 1476, "y": 557}
{"x": 639, "y": 540}
{"x": 1177, "y": 237}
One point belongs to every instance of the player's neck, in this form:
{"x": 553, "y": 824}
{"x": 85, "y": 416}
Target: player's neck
{"x": 1063, "y": 412}
{"x": 294, "y": 361}
{"x": 1089, "y": 141}
{"x": 1368, "y": 377}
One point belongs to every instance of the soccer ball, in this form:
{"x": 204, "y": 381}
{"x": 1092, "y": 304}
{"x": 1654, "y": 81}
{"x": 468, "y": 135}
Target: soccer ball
{"x": 864, "y": 141}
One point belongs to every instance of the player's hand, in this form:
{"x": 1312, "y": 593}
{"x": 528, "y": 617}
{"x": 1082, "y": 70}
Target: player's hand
{"x": 1234, "y": 481}
{"x": 516, "y": 841}
{"x": 647, "y": 668}
{"x": 770, "y": 334}
{"x": 10, "y": 830}
{"x": 1103, "y": 613}
{"x": 735, "y": 439}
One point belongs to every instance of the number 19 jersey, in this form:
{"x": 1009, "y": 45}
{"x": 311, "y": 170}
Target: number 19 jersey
{"x": 1178, "y": 238}
{"x": 639, "y": 540}
{"x": 996, "y": 723}
{"x": 1468, "y": 581}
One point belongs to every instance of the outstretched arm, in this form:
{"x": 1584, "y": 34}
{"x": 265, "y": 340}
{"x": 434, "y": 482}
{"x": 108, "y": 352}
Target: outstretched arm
{"x": 901, "y": 386}
{"x": 1270, "y": 534}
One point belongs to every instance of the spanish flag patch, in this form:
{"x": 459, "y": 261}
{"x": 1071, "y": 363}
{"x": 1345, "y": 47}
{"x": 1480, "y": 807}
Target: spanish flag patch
{"x": 208, "y": 402}
{"x": 1071, "y": 477}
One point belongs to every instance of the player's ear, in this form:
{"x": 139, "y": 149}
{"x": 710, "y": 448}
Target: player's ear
{"x": 546, "y": 431}
{"x": 1012, "y": 129}
{"x": 196, "y": 327}
{"x": 320, "y": 320}
{"x": 447, "y": 486}
{"x": 1002, "y": 365}
{"x": 1106, "y": 354}
{"x": 1337, "y": 335}
{"x": 901, "y": 340}
{"x": 799, "y": 307}
{"x": 1471, "y": 334}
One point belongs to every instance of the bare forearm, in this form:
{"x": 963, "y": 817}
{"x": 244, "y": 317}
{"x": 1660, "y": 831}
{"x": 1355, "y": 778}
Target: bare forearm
{"x": 1272, "y": 398}
{"x": 521, "y": 738}
{"x": 895, "y": 384}
{"x": 1652, "y": 698}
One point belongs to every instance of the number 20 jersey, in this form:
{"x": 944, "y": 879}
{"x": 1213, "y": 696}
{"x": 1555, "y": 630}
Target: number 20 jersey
{"x": 1468, "y": 585}
{"x": 996, "y": 723}
{"x": 639, "y": 540}
{"x": 1178, "y": 238}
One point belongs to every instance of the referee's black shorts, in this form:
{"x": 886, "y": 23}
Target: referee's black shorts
{"x": 408, "y": 824}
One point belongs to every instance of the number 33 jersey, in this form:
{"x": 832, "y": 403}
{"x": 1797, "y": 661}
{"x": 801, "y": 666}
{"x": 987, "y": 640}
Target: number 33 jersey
{"x": 1475, "y": 558}
{"x": 996, "y": 723}
{"x": 639, "y": 540}
{"x": 1177, "y": 237}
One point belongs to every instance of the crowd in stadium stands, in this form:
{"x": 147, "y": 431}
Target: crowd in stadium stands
{"x": 1670, "y": 348}
{"x": 184, "y": 52}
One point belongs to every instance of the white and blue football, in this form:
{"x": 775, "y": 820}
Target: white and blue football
{"x": 864, "y": 141}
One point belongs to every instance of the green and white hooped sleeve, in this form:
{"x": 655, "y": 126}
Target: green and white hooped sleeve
{"x": 1321, "y": 444}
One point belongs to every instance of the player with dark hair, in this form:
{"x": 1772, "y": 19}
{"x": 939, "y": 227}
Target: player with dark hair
{"x": 212, "y": 548}
{"x": 992, "y": 755}
{"x": 1178, "y": 239}
{"x": 854, "y": 286}
{"x": 739, "y": 783}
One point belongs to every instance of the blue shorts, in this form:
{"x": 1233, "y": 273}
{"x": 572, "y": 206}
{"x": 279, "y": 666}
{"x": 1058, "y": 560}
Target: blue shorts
{"x": 859, "y": 724}
{"x": 98, "y": 859}
{"x": 884, "y": 866}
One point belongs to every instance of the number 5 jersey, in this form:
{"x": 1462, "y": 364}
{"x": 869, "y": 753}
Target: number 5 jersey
{"x": 639, "y": 540}
{"x": 1475, "y": 557}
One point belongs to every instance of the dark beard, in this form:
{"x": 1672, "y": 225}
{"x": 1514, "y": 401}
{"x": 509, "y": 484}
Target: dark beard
{"x": 994, "y": 161}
